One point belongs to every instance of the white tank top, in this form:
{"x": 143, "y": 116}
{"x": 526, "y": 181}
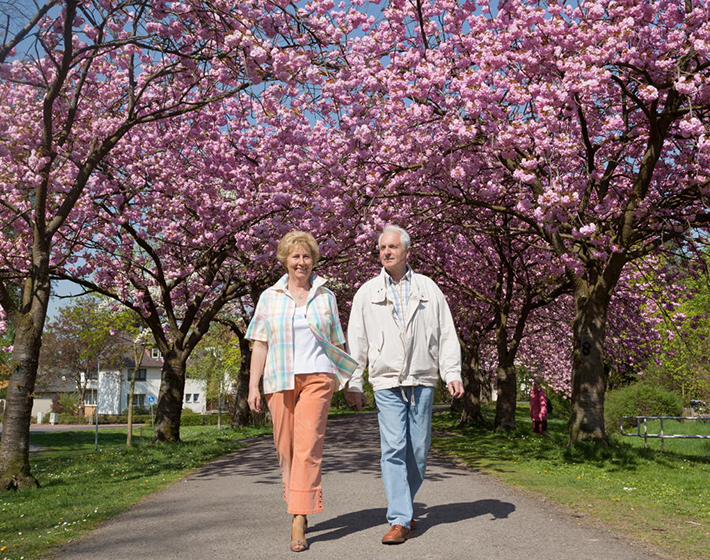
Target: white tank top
{"x": 308, "y": 355}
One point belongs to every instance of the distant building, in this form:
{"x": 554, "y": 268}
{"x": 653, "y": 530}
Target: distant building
{"x": 44, "y": 393}
{"x": 112, "y": 388}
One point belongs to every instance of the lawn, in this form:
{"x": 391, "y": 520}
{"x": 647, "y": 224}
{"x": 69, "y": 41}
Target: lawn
{"x": 81, "y": 487}
{"x": 661, "y": 499}
{"x": 678, "y": 446}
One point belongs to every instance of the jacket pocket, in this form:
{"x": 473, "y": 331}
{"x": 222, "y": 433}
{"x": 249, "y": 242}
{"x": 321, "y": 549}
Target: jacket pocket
{"x": 433, "y": 346}
{"x": 376, "y": 351}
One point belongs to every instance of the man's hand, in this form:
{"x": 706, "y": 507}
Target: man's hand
{"x": 455, "y": 389}
{"x": 355, "y": 398}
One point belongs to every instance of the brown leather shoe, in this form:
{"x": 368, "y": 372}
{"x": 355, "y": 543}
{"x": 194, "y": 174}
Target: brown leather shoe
{"x": 412, "y": 524}
{"x": 397, "y": 535}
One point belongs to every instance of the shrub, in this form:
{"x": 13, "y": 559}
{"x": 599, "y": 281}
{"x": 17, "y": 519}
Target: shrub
{"x": 67, "y": 403}
{"x": 196, "y": 419}
{"x": 561, "y": 405}
{"x": 105, "y": 419}
{"x": 640, "y": 399}
{"x": 66, "y": 418}
{"x": 56, "y": 405}
{"x": 137, "y": 410}
{"x": 339, "y": 401}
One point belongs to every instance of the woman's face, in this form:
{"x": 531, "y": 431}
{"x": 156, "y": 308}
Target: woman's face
{"x": 299, "y": 262}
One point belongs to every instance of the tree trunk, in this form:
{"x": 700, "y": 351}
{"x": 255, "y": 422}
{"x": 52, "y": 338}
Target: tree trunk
{"x": 131, "y": 392}
{"x": 14, "y": 448}
{"x": 138, "y": 350}
{"x": 507, "y": 396}
{"x": 242, "y": 415}
{"x": 471, "y": 401}
{"x": 172, "y": 390}
{"x": 486, "y": 388}
{"x": 588, "y": 373}
{"x": 129, "y": 419}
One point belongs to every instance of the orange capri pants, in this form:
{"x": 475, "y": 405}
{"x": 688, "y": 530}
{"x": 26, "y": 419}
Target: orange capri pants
{"x": 299, "y": 417}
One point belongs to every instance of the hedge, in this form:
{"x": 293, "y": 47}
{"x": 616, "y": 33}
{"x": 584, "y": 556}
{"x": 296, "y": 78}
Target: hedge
{"x": 644, "y": 398}
{"x": 103, "y": 419}
{"x": 202, "y": 419}
{"x": 185, "y": 420}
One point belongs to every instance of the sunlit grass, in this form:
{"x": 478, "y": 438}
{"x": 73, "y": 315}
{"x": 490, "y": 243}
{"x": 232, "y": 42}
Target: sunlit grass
{"x": 81, "y": 487}
{"x": 662, "y": 499}
{"x": 695, "y": 447}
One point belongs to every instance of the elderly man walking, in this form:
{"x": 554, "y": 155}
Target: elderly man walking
{"x": 401, "y": 329}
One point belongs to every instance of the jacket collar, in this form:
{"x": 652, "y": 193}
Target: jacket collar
{"x": 379, "y": 294}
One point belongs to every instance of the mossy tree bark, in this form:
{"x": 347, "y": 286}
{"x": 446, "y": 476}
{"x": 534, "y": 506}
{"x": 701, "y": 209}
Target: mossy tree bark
{"x": 471, "y": 402}
{"x": 172, "y": 391}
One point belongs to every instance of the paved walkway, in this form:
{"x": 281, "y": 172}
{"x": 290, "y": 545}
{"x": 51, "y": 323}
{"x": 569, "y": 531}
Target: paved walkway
{"x": 232, "y": 509}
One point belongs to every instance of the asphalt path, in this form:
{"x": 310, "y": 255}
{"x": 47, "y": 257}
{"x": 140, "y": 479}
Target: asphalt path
{"x": 232, "y": 509}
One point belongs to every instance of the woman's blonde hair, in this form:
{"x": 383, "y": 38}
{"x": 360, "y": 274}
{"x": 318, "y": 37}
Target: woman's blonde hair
{"x": 293, "y": 238}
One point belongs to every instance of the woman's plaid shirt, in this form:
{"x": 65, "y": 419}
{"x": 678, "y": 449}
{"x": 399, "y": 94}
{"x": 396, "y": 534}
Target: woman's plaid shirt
{"x": 273, "y": 323}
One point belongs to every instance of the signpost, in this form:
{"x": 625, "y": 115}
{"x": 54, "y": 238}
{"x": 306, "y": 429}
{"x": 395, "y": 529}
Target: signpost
{"x": 151, "y": 402}
{"x": 96, "y": 402}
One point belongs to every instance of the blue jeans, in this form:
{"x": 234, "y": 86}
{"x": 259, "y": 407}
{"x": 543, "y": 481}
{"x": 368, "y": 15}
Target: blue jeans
{"x": 405, "y": 437}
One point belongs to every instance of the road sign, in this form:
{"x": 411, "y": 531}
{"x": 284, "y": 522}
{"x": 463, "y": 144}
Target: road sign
{"x": 151, "y": 400}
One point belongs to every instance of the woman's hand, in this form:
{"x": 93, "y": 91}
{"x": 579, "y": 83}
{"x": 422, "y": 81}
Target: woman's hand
{"x": 254, "y": 399}
{"x": 258, "y": 360}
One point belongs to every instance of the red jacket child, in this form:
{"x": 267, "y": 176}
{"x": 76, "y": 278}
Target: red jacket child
{"x": 538, "y": 408}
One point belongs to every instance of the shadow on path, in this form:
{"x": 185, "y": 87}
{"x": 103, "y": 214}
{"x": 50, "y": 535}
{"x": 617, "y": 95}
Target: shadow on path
{"x": 427, "y": 517}
{"x": 352, "y": 445}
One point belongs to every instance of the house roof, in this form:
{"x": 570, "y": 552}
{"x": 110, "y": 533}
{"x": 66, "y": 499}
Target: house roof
{"x": 147, "y": 361}
{"x": 66, "y": 385}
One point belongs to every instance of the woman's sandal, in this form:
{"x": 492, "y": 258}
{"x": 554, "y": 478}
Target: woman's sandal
{"x": 298, "y": 546}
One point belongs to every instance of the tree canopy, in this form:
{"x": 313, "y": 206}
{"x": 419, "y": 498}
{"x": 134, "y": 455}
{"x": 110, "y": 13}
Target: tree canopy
{"x": 548, "y": 157}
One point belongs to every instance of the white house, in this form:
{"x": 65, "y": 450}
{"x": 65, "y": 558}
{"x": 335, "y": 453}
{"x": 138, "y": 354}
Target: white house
{"x": 113, "y": 386}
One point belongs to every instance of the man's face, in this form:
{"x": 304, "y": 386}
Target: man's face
{"x": 392, "y": 256}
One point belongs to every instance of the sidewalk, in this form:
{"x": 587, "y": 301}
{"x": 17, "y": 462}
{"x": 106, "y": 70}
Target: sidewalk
{"x": 232, "y": 509}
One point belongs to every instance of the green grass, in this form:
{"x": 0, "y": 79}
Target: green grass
{"x": 661, "y": 499}
{"x": 81, "y": 487}
{"x": 696, "y": 447}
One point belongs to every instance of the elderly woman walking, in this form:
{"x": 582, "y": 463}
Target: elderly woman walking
{"x": 298, "y": 350}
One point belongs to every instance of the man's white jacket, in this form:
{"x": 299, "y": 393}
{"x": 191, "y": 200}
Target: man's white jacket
{"x": 416, "y": 355}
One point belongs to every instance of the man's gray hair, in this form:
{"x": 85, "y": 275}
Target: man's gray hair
{"x": 404, "y": 238}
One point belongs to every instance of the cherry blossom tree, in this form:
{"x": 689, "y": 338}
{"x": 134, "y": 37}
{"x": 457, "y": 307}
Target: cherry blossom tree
{"x": 175, "y": 239}
{"x": 77, "y": 82}
{"x": 586, "y": 122}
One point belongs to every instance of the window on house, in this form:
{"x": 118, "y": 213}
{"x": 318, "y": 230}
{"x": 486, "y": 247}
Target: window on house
{"x": 138, "y": 399}
{"x": 90, "y": 397}
{"x": 140, "y": 376}
{"x": 92, "y": 374}
{"x": 155, "y": 353}
{"x": 188, "y": 396}
{"x": 195, "y": 397}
